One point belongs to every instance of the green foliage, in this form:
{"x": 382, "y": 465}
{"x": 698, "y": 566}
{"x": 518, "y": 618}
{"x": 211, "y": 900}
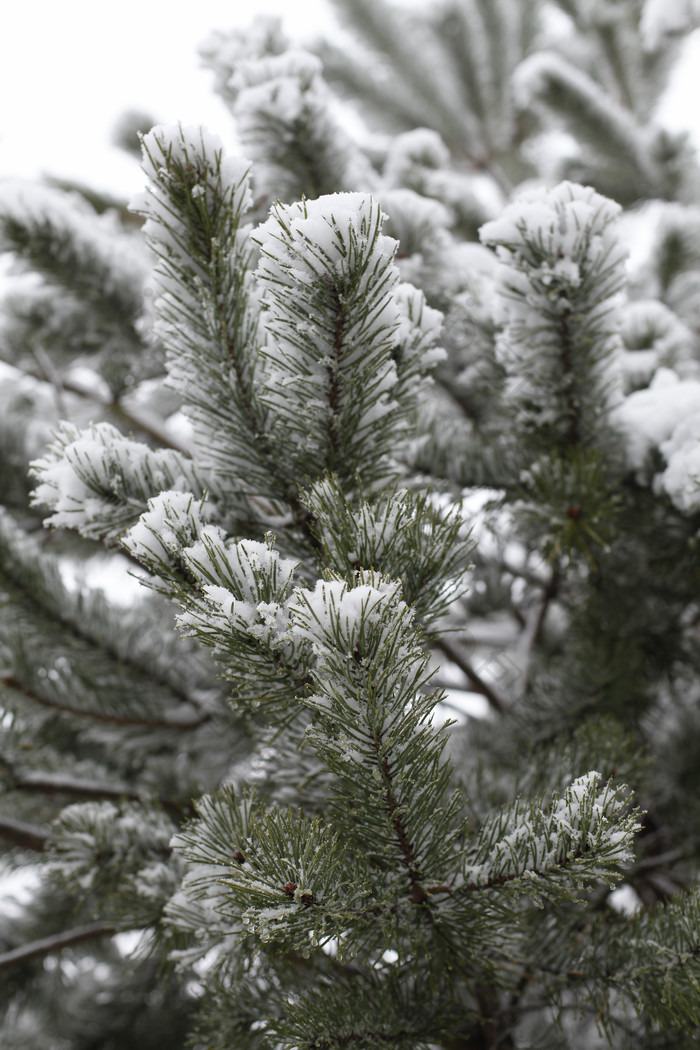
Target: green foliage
{"x": 91, "y": 296}
{"x": 327, "y": 279}
{"x": 381, "y": 499}
{"x": 404, "y": 532}
{"x": 119, "y": 855}
{"x": 569, "y": 505}
{"x": 561, "y": 270}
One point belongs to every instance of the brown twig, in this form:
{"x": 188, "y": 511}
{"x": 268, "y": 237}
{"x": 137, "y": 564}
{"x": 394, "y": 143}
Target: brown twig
{"x": 64, "y": 384}
{"x": 480, "y": 686}
{"x": 418, "y": 894}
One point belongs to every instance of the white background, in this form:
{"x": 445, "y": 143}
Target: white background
{"x": 69, "y": 68}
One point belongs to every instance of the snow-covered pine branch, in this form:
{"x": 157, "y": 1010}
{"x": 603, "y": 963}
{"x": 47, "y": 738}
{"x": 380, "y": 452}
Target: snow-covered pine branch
{"x": 561, "y": 268}
{"x": 315, "y": 859}
{"x": 336, "y": 336}
{"x": 381, "y": 533}
{"x": 285, "y": 115}
{"x": 98, "y": 482}
{"x": 91, "y": 297}
{"x": 195, "y": 205}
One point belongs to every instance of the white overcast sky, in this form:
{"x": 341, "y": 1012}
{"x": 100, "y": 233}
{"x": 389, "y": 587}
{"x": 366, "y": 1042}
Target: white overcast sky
{"x": 69, "y": 68}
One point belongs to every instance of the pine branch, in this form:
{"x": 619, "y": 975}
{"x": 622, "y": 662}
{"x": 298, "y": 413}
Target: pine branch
{"x": 534, "y": 579}
{"x": 112, "y": 479}
{"x": 593, "y": 116}
{"x": 49, "y": 945}
{"x": 19, "y": 833}
{"x": 362, "y": 1037}
{"x": 38, "y": 597}
{"x": 77, "y": 251}
{"x": 480, "y": 686}
{"x": 105, "y": 716}
{"x": 338, "y": 885}
{"x": 418, "y": 894}
{"x": 150, "y": 428}
{"x": 59, "y": 784}
{"x": 205, "y": 316}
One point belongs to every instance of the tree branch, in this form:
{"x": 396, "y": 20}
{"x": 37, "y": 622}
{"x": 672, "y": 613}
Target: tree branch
{"x": 418, "y": 894}
{"x": 550, "y": 593}
{"x": 530, "y": 577}
{"x": 58, "y": 784}
{"x": 48, "y": 945}
{"x": 104, "y": 716}
{"x": 28, "y": 836}
{"x": 148, "y": 427}
{"x": 480, "y": 686}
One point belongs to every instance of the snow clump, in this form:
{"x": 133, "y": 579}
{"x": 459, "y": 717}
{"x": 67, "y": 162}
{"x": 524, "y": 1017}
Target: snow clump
{"x": 334, "y": 611}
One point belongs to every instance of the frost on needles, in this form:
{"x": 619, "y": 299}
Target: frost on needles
{"x": 316, "y": 897}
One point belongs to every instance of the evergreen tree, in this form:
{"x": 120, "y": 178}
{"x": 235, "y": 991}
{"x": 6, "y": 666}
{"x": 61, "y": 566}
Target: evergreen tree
{"x": 366, "y": 466}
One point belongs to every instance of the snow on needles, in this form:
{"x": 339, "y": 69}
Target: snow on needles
{"x": 173, "y": 520}
{"x": 180, "y": 156}
{"x": 92, "y": 480}
{"x": 666, "y": 416}
{"x": 333, "y": 609}
{"x": 196, "y": 146}
{"x": 334, "y": 241}
{"x": 681, "y": 479}
{"x": 315, "y": 236}
{"x": 570, "y": 224}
